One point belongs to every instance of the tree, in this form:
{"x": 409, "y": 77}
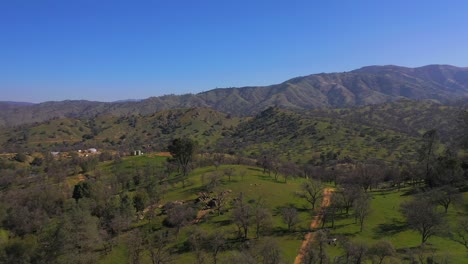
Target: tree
{"x": 179, "y": 216}
{"x": 367, "y": 175}
{"x": 197, "y": 239}
{"x": 311, "y": 191}
{"x": 18, "y": 251}
{"x": 216, "y": 242}
{"x": 329, "y": 212}
{"x": 289, "y": 170}
{"x": 315, "y": 251}
{"x": 362, "y": 209}
{"x": 183, "y": 151}
{"x": 158, "y": 245}
{"x": 140, "y": 201}
{"x": 220, "y": 200}
{"x": 444, "y": 196}
{"x": 20, "y": 157}
{"x": 348, "y": 194}
{"x": 74, "y": 238}
{"x": 81, "y": 190}
{"x": 290, "y": 217}
{"x": 427, "y": 154}
{"x": 460, "y": 233}
{"x": 268, "y": 251}
{"x": 135, "y": 246}
{"x": 382, "y": 249}
{"x": 423, "y": 217}
{"x": 214, "y": 180}
{"x": 242, "y": 216}
{"x": 355, "y": 252}
{"x": 37, "y": 161}
{"x": 446, "y": 171}
{"x": 262, "y": 218}
{"x": 229, "y": 172}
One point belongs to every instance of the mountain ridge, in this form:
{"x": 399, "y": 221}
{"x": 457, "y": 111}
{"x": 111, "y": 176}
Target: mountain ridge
{"x": 364, "y": 86}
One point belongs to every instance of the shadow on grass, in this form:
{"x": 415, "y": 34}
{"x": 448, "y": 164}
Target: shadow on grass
{"x": 296, "y": 233}
{"x": 220, "y": 223}
{"x": 392, "y": 228}
{"x": 255, "y": 169}
{"x": 194, "y": 190}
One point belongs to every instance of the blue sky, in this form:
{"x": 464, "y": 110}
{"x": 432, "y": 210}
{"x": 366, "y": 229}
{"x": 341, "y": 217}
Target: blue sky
{"x": 112, "y": 50}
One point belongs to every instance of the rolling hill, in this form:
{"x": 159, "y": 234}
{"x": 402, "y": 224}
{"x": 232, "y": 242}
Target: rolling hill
{"x": 389, "y": 131}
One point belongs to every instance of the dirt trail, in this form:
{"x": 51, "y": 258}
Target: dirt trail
{"x": 200, "y": 215}
{"x": 314, "y": 224}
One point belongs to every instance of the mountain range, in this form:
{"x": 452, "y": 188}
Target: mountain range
{"x": 364, "y": 86}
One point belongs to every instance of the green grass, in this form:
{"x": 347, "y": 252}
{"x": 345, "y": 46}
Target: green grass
{"x": 3, "y": 236}
{"x": 254, "y": 185}
{"x": 386, "y": 223}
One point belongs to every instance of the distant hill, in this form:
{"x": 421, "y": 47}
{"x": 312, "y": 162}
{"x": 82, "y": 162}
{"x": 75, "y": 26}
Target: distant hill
{"x": 365, "y": 86}
{"x": 389, "y": 131}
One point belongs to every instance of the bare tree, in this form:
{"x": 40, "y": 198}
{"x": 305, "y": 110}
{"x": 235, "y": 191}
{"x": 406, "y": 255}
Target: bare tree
{"x": 229, "y": 172}
{"x": 135, "y": 246}
{"x": 290, "y": 217}
{"x": 158, "y": 245}
{"x": 214, "y": 180}
{"x": 220, "y": 200}
{"x": 262, "y": 217}
{"x": 216, "y": 242}
{"x": 289, "y": 170}
{"x": 381, "y": 250}
{"x": 197, "y": 239}
{"x": 329, "y": 212}
{"x": 355, "y": 252}
{"x": 461, "y": 232}
{"x": 268, "y": 251}
{"x": 367, "y": 175}
{"x": 362, "y": 209}
{"x": 179, "y": 216}
{"x": 348, "y": 194}
{"x": 242, "y": 216}
{"x": 311, "y": 191}
{"x": 422, "y": 216}
{"x": 445, "y": 196}
{"x": 218, "y": 159}
{"x": 315, "y": 252}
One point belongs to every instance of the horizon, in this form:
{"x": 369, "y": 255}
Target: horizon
{"x": 108, "y": 51}
{"x": 195, "y": 93}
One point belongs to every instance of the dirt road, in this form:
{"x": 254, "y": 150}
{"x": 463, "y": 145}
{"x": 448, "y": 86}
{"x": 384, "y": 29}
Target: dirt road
{"x": 317, "y": 219}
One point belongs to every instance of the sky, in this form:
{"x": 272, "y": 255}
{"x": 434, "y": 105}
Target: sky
{"x": 115, "y": 50}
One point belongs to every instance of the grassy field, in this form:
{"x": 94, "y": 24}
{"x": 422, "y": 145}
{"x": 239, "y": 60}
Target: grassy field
{"x": 385, "y": 221}
{"x": 252, "y": 183}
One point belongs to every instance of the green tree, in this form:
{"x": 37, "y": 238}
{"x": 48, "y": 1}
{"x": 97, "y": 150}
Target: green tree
{"x": 81, "y": 190}
{"x": 183, "y": 150}
{"x": 20, "y": 157}
{"x": 140, "y": 200}
{"x": 427, "y": 154}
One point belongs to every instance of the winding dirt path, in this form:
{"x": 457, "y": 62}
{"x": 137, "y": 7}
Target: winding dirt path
{"x": 314, "y": 224}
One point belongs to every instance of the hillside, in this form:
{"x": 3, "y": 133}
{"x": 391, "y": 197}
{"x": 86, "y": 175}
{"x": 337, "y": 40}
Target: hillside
{"x": 388, "y": 132}
{"x": 125, "y": 133}
{"x": 365, "y": 86}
